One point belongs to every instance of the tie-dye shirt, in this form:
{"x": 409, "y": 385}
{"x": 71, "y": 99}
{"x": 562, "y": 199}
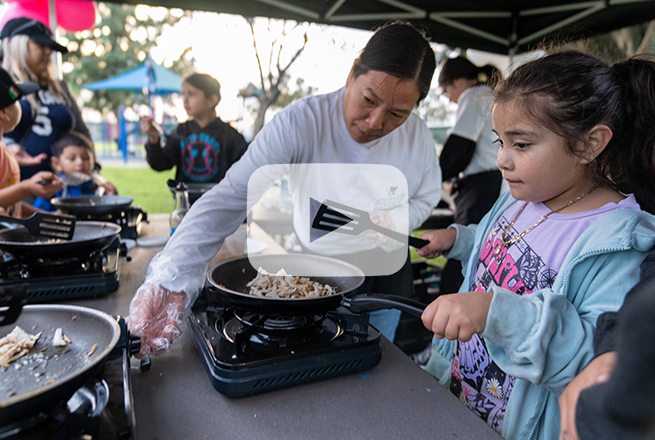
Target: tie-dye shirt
{"x": 530, "y": 264}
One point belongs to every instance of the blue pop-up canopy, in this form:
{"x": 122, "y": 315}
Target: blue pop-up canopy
{"x": 157, "y": 79}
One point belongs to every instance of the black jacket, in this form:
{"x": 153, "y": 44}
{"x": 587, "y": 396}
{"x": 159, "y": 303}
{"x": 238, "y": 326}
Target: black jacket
{"x": 200, "y": 154}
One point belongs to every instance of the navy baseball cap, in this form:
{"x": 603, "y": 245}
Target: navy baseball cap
{"x": 11, "y": 92}
{"x": 34, "y": 29}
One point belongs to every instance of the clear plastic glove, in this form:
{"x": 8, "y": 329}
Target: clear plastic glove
{"x": 381, "y": 240}
{"x": 156, "y": 316}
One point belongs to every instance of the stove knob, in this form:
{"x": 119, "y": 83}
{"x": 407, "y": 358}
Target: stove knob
{"x": 145, "y": 365}
{"x": 134, "y": 345}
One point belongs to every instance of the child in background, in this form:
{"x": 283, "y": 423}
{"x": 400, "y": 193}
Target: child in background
{"x": 12, "y": 190}
{"x": 73, "y": 153}
{"x": 565, "y": 245}
{"x": 203, "y": 148}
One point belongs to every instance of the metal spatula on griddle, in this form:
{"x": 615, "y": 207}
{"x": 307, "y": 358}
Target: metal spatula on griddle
{"x": 46, "y": 225}
{"x": 333, "y": 216}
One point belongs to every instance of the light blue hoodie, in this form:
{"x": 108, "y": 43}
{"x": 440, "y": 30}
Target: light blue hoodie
{"x": 544, "y": 339}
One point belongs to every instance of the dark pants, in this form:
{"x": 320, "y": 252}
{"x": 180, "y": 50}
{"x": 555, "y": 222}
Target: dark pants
{"x": 474, "y": 196}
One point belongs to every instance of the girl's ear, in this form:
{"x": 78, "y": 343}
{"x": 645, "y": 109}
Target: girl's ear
{"x": 3, "y": 114}
{"x": 597, "y": 139}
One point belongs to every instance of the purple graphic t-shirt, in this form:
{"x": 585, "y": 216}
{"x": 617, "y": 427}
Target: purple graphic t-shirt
{"x": 530, "y": 264}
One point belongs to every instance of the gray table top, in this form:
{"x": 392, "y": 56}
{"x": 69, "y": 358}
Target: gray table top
{"x": 175, "y": 399}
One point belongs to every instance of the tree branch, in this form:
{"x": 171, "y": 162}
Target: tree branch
{"x": 254, "y": 44}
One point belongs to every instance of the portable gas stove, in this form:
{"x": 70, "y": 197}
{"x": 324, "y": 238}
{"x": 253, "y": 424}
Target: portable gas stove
{"x": 102, "y": 409}
{"x": 130, "y": 220}
{"x": 246, "y": 353}
{"x": 62, "y": 278}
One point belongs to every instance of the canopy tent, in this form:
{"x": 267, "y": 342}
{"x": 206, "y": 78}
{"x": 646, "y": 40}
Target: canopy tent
{"x": 499, "y": 26}
{"x": 156, "y": 79}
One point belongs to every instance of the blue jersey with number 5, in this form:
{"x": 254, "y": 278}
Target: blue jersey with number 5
{"x": 36, "y": 132}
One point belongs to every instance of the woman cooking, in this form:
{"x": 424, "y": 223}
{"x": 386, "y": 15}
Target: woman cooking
{"x": 27, "y": 50}
{"x": 369, "y": 121}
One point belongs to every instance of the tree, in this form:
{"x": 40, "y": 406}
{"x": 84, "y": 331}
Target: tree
{"x": 119, "y": 43}
{"x": 273, "y": 76}
{"x": 620, "y": 44}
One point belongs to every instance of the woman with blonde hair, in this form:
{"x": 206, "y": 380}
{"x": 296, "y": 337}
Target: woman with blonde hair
{"x": 27, "y": 47}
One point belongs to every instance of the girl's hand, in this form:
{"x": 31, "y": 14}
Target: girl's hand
{"x": 440, "y": 240}
{"x": 25, "y": 159}
{"x": 149, "y": 127}
{"x": 458, "y": 316}
{"x": 49, "y": 188}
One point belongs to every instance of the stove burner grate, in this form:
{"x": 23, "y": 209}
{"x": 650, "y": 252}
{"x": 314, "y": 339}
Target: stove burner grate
{"x": 248, "y": 330}
{"x": 67, "y": 278}
{"x": 242, "y": 360}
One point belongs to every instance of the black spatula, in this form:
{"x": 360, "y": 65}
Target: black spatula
{"x": 332, "y": 216}
{"x": 46, "y": 225}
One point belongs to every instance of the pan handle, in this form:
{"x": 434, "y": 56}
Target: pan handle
{"x": 369, "y": 302}
{"x": 12, "y": 299}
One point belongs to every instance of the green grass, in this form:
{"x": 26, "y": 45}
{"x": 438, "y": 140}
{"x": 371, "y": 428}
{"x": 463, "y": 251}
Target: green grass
{"x": 147, "y": 187}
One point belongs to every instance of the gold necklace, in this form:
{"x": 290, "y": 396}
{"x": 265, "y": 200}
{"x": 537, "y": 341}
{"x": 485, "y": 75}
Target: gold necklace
{"x": 505, "y": 244}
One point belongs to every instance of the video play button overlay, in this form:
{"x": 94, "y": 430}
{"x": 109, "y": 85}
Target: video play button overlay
{"x": 284, "y": 199}
{"x": 324, "y": 218}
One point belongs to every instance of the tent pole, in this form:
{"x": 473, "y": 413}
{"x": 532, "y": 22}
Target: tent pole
{"x": 56, "y": 56}
{"x": 122, "y": 136}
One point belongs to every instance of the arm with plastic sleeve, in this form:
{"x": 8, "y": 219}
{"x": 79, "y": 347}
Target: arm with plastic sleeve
{"x": 422, "y": 201}
{"x": 176, "y": 275}
{"x": 547, "y": 337}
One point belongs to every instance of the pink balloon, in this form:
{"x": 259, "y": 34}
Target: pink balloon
{"x": 76, "y": 15}
{"x": 72, "y": 15}
{"x": 37, "y": 10}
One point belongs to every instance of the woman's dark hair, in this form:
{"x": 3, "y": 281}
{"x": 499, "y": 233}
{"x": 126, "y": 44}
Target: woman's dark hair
{"x": 399, "y": 49}
{"x": 207, "y": 83}
{"x": 71, "y": 138}
{"x": 570, "y": 93}
{"x": 460, "y": 67}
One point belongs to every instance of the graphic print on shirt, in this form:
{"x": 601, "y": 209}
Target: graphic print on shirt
{"x": 200, "y": 157}
{"x": 476, "y": 379}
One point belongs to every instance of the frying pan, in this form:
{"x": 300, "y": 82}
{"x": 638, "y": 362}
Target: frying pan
{"x": 93, "y": 205}
{"x": 89, "y": 236}
{"x": 231, "y": 277}
{"x": 46, "y": 377}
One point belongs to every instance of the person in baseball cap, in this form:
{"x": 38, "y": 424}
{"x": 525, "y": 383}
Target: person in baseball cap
{"x": 11, "y": 92}
{"x": 13, "y": 190}
{"x": 34, "y": 29}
